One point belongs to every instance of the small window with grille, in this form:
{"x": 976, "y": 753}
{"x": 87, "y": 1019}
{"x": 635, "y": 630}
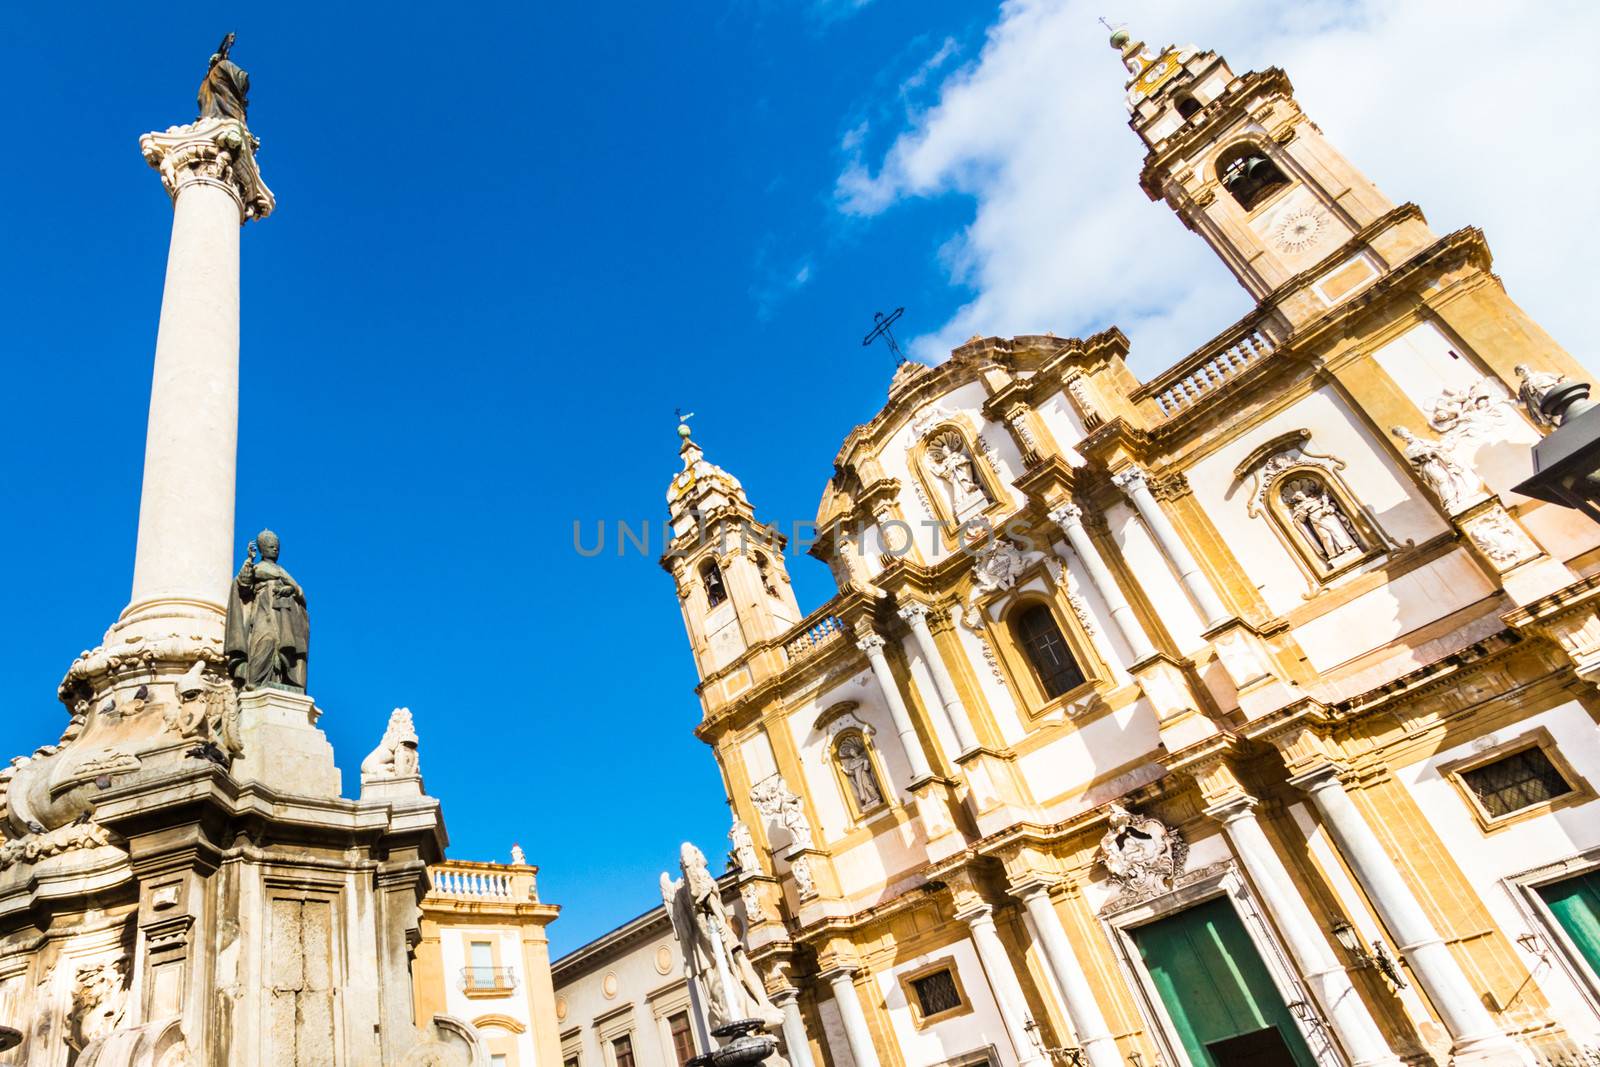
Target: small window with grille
{"x": 1523, "y": 778}
{"x": 934, "y": 993}
{"x": 1517, "y": 781}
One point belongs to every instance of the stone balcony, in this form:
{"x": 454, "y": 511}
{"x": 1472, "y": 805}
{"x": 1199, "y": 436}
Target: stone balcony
{"x": 463, "y": 881}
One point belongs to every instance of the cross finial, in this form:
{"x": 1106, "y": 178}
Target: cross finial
{"x": 880, "y": 328}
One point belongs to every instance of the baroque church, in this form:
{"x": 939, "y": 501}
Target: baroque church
{"x": 1242, "y": 716}
{"x": 1245, "y": 715}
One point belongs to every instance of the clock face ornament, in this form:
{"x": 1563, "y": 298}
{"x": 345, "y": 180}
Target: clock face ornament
{"x": 1298, "y": 231}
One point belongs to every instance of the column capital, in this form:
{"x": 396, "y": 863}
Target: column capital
{"x": 1130, "y": 479}
{"x": 1033, "y": 888}
{"x": 870, "y": 643}
{"x": 1233, "y": 809}
{"x": 833, "y": 975}
{"x": 913, "y": 612}
{"x": 1319, "y": 777}
{"x": 217, "y": 152}
{"x": 1065, "y": 515}
{"x": 977, "y": 913}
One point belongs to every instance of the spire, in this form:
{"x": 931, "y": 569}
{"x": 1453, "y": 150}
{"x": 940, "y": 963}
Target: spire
{"x": 701, "y": 485}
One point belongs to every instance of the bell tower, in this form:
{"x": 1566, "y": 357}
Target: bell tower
{"x": 732, "y": 583}
{"x": 1248, "y": 171}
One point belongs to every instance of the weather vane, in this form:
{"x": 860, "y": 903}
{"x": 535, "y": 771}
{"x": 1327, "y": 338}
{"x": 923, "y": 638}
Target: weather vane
{"x": 880, "y": 328}
{"x": 683, "y": 421}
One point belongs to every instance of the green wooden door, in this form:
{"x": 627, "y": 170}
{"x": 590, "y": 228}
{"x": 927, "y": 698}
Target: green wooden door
{"x": 1575, "y": 903}
{"x": 1217, "y": 991}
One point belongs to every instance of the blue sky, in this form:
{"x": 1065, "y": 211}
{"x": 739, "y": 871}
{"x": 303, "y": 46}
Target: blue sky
{"x": 509, "y": 241}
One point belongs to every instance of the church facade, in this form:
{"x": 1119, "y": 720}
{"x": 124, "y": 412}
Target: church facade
{"x": 1242, "y": 715}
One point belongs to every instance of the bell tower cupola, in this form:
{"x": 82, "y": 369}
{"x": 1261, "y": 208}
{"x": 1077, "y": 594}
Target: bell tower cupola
{"x": 733, "y": 585}
{"x": 1243, "y": 167}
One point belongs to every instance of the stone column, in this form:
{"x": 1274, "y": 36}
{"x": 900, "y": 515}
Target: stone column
{"x": 1132, "y": 482}
{"x": 916, "y": 615}
{"x": 1327, "y": 978}
{"x": 185, "y": 553}
{"x": 1087, "y": 1021}
{"x": 1475, "y": 1039}
{"x": 1003, "y": 980}
{"x": 856, "y": 1033}
{"x": 794, "y": 1028}
{"x": 1070, "y": 518}
{"x": 872, "y": 645}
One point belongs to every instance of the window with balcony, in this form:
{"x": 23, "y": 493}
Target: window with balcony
{"x": 483, "y": 976}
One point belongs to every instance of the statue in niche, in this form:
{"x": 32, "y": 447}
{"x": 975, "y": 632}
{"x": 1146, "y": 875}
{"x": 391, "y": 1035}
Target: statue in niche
{"x": 224, "y": 92}
{"x": 1451, "y": 482}
{"x": 948, "y": 458}
{"x": 1536, "y": 384}
{"x": 714, "y": 956}
{"x": 1140, "y": 854}
{"x": 859, "y": 773}
{"x": 268, "y": 632}
{"x": 1320, "y": 519}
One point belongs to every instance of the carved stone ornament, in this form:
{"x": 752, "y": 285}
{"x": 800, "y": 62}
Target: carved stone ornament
{"x": 207, "y": 712}
{"x": 996, "y": 569}
{"x": 773, "y": 799}
{"x": 750, "y": 893}
{"x": 395, "y": 757}
{"x": 1500, "y": 538}
{"x": 745, "y": 860}
{"x": 216, "y": 151}
{"x": 1266, "y": 464}
{"x": 1083, "y": 398}
{"x": 1141, "y": 854}
{"x": 804, "y": 883}
{"x": 1062, "y": 576}
{"x": 99, "y": 996}
{"x": 927, "y": 419}
{"x": 1477, "y": 411}
{"x": 37, "y": 846}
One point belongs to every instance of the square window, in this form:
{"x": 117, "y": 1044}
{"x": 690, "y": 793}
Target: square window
{"x": 1516, "y": 781}
{"x": 936, "y": 993}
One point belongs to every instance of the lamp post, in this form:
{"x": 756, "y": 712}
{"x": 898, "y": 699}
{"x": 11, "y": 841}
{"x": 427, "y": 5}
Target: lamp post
{"x": 1566, "y": 464}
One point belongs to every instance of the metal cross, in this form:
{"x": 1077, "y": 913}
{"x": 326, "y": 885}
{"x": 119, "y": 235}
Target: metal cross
{"x": 880, "y": 328}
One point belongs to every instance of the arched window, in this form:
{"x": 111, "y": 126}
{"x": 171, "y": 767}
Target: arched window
{"x": 711, "y": 575}
{"x": 1047, "y": 651}
{"x": 859, "y": 772}
{"x": 1248, "y": 175}
{"x": 1187, "y": 105}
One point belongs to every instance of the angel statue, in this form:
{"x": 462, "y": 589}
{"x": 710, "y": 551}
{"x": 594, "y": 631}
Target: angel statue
{"x": 1454, "y": 485}
{"x": 224, "y": 92}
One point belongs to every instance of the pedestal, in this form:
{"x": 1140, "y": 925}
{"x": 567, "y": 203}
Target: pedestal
{"x": 283, "y": 748}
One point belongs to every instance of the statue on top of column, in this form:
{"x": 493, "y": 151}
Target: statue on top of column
{"x": 268, "y": 632}
{"x": 225, "y": 91}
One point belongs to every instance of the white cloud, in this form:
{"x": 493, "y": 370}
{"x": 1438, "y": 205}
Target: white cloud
{"x": 1471, "y": 110}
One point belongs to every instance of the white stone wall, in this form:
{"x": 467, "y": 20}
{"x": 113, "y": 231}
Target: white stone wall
{"x": 632, "y": 992}
{"x": 455, "y": 954}
{"x": 940, "y": 1041}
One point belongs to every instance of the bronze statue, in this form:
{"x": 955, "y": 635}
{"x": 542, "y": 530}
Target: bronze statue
{"x": 223, "y": 94}
{"x": 268, "y": 631}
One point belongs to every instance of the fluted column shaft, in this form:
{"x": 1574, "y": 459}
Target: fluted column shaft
{"x": 872, "y": 645}
{"x": 1329, "y": 982}
{"x": 856, "y": 1032}
{"x": 916, "y": 616}
{"x": 1003, "y": 980}
{"x": 1132, "y": 482}
{"x": 1473, "y": 1032}
{"x": 1070, "y": 518}
{"x": 1088, "y": 1023}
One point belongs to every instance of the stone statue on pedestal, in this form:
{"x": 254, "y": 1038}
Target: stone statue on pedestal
{"x": 268, "y": 631}
{"x": 225, "y": 91}
{"x": 713, "y": 955}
